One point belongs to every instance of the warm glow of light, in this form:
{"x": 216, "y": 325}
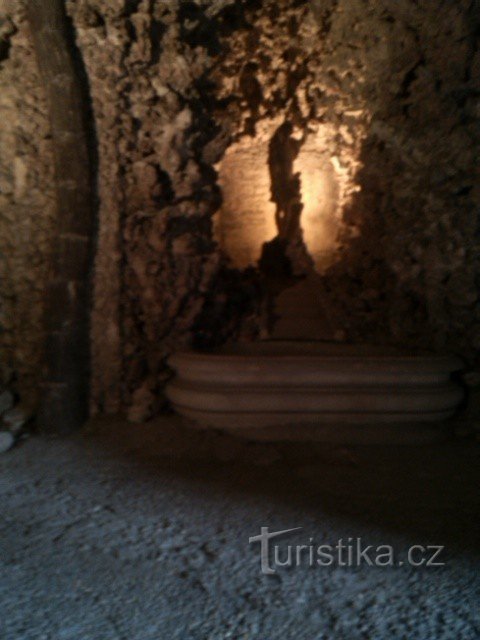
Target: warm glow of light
{"x": 327, "y": 179}
{"x": 247, "y": 217}
{"x": 320, "y": 216}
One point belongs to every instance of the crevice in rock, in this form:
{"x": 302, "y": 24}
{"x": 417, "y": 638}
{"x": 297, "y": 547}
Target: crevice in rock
{"x": 4, "y": 49}
{"x": 157, "y": 31}
{"x": 197, "y": 29}
{"x": 7, "y": 30}
{"x": 409, "y": 79}
{"x": 130, "y": 7}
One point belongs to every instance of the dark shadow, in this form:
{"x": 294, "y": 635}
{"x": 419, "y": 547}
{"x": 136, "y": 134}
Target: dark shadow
{"x": 427, "y": 493}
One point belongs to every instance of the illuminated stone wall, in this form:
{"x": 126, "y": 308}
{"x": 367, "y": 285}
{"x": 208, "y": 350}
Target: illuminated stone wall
{"x": 246, "y": 219}
{"x": 296, "y": 140}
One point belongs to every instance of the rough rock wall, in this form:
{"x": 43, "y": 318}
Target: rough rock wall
{"x": 390, "y": 89}
{"x": 26, "y": 204}
{"x": 176, "y": 84}
{"x": 155, "y": 251}
{"x": 171, "y": 90}
{"x": 412, "y": 274}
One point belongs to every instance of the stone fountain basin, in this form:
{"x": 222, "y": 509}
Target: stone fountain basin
{"x": 273, "y": 383}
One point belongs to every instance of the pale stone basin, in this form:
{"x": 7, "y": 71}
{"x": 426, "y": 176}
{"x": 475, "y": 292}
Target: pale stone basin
{"x": 275, "y": 383}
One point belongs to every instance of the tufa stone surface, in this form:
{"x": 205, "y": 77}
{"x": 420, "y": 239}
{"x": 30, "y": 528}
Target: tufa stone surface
{"x": 27, "y": 203}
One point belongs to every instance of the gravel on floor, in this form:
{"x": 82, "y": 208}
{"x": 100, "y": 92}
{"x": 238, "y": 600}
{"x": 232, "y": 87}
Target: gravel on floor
{"x": 129, "y": 532}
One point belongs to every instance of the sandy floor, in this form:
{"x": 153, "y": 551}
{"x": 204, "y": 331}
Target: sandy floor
{"x": 142, "y": 533}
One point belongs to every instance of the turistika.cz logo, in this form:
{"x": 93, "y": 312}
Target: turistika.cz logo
{"x": 346, "y": 552}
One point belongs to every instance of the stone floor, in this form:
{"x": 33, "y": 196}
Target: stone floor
{"x": 142, "y": 533}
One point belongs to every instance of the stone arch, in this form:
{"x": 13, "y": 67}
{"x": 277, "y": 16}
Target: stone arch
{"x": 65, "y": 383}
